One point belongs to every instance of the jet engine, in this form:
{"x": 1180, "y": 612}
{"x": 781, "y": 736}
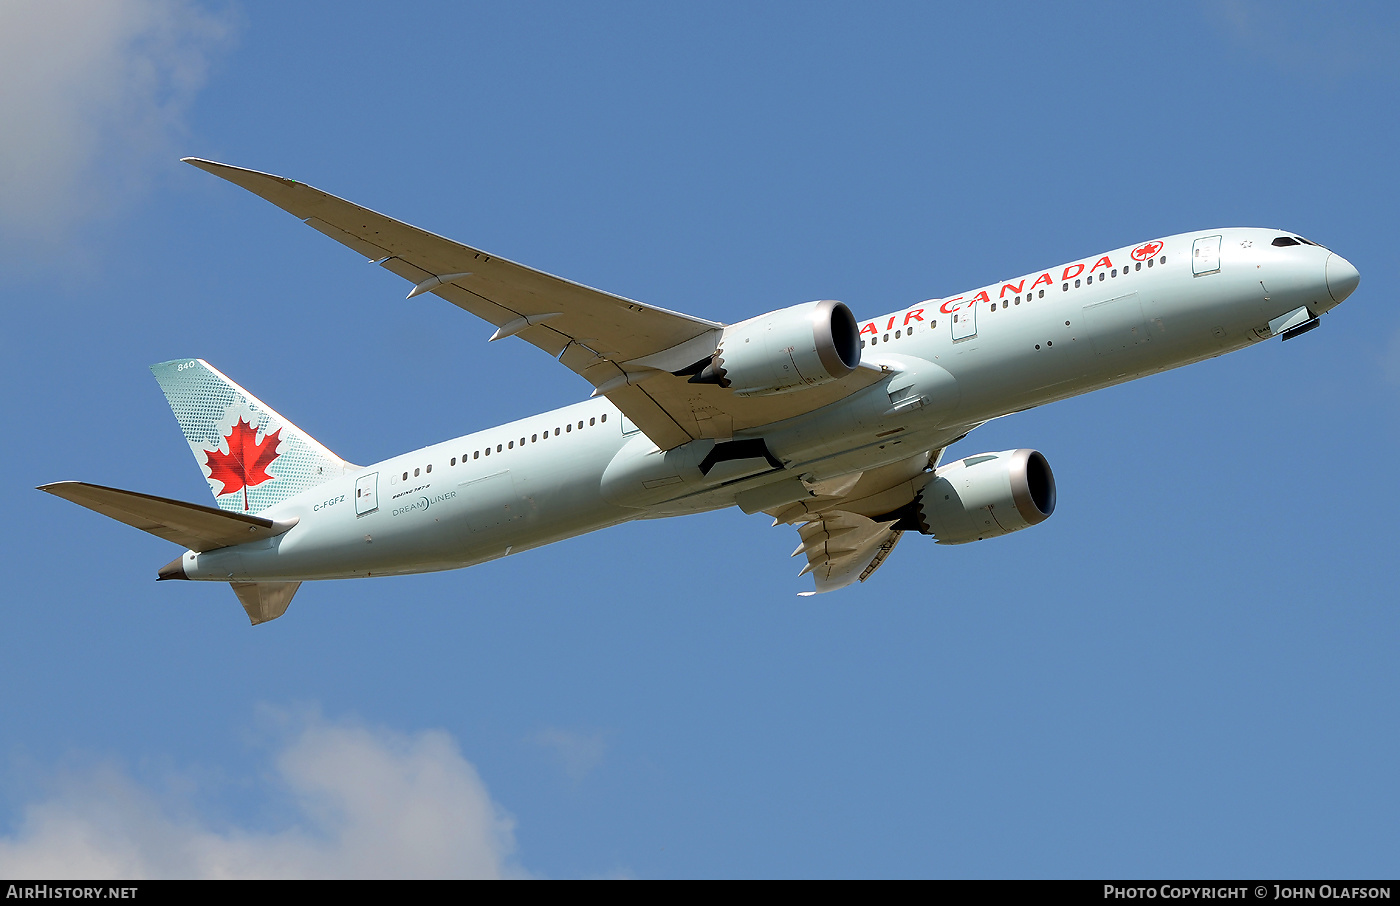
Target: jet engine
{"x": 803, "y": 346}
{"x": 981, "y": 497}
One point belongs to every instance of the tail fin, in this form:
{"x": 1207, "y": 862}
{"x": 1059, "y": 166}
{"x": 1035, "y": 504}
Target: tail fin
{"x": 252, "y": 457}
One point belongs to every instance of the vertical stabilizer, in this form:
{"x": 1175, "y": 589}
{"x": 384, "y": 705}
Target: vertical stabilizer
{"x": 251, "y": 456}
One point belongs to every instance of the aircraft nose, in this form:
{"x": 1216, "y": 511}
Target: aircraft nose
{"x": 1342, "y": 278}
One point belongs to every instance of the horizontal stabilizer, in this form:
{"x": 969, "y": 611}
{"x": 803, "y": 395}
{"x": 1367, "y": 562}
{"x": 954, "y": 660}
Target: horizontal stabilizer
{"x": 265, "y": 600}
{"x": 199, "y": 528}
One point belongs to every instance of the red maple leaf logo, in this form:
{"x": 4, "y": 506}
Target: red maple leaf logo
{"x": 245, "y": 464}
{"x": 1146, "y": 250}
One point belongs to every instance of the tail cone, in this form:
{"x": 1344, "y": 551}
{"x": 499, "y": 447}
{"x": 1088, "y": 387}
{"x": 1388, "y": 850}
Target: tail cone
{"x": 175, "y": 569}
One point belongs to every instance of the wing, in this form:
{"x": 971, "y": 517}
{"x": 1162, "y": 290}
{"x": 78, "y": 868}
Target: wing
{"x": 625, "y": 349}
{"x": 843, "y": 547}
{"x": 847, "y": 525}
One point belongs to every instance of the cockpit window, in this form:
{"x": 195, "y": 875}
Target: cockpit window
{"x": 1283, "y": 241}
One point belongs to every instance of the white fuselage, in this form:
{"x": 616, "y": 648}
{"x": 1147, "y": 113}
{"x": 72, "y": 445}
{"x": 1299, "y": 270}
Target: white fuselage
{"x": 952, "y": 364}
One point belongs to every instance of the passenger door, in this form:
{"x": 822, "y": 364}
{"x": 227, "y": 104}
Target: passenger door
{"x": 1205, "y": 256}
{"x": 367, "y": 494}
{"x": 965, "y": 322}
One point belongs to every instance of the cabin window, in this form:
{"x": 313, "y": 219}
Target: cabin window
{"x": 1042, "y": 294}
{"x": 534, "y": 437}
{"x": 580, "y": 424}
{"x": 476, "y": 455}
{"x": 605, "y": 416}
{"x": 1138, "y": 266}
{"x": 1114, "y": 272}
{"x": 510, "y": 446}
{"x": 498, "y": 448}
{"x": 453, "y": 462}
{"x": 430, "y": 468}
{"x": 1162, "y": 260}
{"x": 1063, "y": 289}
{"x": 417, "y": 472}
{"x": 568, "y": 428}
{"x": 405, "y": 476}
{"x": 592, "y": 422}
{"x": 1076, "y": 283}
{"x": 488, "y": 451}
{"x": 886, "y": 338}
{"x": 1149, "y": 261}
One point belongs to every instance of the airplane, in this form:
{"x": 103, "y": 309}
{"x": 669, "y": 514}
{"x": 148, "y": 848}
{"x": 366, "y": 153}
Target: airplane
{"x": 832, "y": 425}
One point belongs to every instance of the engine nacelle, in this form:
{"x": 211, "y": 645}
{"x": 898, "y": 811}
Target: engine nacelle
{"x": 984, "y": 496}
{"x": 789, "y": 349}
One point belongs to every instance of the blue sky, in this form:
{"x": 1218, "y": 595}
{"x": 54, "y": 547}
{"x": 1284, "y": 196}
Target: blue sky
{"x": 1188, "y": 671}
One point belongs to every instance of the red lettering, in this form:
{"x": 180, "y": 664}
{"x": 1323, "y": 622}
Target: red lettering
{"x": 869, "y": 328}
{"x": 948, "y": 311}
{"x": 980, "y": 297}
{"x": 890, "y": 326}
{"x": 1102, "y": 262}
{"x": 916, "y": 314}
{"x": 1043, "y": 278}
{"x": 1014, "y": 287}
{"x": 1069, "y": 276}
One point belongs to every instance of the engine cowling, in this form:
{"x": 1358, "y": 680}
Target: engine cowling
{"x": 802, "y": 346}
{"x": 984, "y": 496}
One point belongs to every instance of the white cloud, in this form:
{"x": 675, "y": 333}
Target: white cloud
{"x": 92, "y": 94}
{"x": 578, "y": 753}
{"x": 367, "y": 803}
